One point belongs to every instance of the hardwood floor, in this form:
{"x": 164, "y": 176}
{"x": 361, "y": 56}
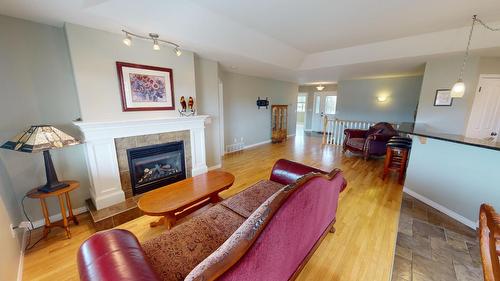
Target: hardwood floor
{"x": 362, "y": 248}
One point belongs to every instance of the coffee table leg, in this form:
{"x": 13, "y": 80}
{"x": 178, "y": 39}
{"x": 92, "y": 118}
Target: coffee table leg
{"x": 158, "y": 222}
{"x": 215, "y": 198}
{"x": 169, "y": 221}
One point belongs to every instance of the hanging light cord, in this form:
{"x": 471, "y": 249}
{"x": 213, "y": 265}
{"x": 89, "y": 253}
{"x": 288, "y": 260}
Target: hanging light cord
{"x": 475, "y": 20}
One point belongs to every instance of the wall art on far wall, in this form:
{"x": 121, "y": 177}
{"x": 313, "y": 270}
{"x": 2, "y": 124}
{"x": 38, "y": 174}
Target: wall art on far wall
{"x": 145, "y": 87}
{"x": 443, "y": 97}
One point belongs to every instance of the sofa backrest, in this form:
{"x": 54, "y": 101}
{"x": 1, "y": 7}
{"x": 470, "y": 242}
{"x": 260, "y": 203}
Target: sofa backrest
{"x": 273, "y": 242}
{"x": 287, "y": 172}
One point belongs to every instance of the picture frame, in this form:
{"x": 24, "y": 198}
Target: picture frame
{"x": 145, "y": 87}
{"x": 443, "y": 97}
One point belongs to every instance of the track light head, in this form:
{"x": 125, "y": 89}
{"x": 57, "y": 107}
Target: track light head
{"x": 156, "y": 46}
{"x": 127, "y": 40}
{"x": 177, "y": 51}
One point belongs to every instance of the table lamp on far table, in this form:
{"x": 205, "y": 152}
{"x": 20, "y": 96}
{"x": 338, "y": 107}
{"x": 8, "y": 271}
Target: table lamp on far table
{"x": 42, "y": 138}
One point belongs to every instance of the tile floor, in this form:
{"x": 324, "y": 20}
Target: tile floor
{"x": 431, "y": 246}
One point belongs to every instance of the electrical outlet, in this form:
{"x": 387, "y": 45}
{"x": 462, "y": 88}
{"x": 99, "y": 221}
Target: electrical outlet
{"x": 12, "y": 231}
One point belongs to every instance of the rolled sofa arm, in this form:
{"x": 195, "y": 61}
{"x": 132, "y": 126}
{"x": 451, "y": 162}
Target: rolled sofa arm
{"x": 287, "y": 172}
{"x": 113, "y": 255}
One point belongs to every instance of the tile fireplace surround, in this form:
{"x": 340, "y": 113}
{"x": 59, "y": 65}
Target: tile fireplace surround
{"x": 102, "y": 161}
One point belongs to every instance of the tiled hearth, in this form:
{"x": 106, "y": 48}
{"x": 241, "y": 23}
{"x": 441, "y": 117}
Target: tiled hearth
{"x": 122, "y": 144}
{"x": 432, "y": 246}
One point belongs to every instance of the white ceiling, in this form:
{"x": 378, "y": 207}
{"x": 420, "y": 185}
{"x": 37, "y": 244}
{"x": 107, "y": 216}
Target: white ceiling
{"x": 301, "y": 41}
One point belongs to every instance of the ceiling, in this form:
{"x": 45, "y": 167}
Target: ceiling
{"x": 300, "y": 41}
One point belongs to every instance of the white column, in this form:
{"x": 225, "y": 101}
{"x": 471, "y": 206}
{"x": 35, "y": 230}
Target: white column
{"x": 103, "y": 172}
{"x": 198, "y": 157}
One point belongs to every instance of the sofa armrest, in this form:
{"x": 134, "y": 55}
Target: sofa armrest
{"x": 113, "y": 255}
{"x": 355, "y": 133}
{"x": 287, "y": 172}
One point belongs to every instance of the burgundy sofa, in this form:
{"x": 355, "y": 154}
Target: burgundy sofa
{"x": 266, "y": 232}
{"x": 369, "y": 142}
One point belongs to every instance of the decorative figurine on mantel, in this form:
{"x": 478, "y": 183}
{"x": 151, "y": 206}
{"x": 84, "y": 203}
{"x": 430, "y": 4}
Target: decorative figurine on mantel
{"x": 187, "y": 108}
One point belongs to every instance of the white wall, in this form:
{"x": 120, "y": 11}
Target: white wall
{"x": 241, "y": 116}
{"x": 94, "y": 54}
{"x": 207, "y": 93}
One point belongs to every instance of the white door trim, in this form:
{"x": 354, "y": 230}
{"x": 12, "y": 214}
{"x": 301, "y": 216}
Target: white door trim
{"x": 221, "y": 117}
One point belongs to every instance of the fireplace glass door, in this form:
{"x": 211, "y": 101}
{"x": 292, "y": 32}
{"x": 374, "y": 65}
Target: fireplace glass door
{"x": 156, "y": 166}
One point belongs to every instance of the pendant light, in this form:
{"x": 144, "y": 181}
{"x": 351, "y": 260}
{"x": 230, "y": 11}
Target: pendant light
{"x": 458, "y": 90}
{"x": 320, "y": 87}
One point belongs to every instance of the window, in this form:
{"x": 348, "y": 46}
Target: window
{"x": 317, "y": 104}
{"x": 330, "y": 104}
{"x": 301, "y": 104}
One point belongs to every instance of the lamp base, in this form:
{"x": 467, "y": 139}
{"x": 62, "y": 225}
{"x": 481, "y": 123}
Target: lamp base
{"x": 52, "y": 187}
{"x": 53, "y": 183}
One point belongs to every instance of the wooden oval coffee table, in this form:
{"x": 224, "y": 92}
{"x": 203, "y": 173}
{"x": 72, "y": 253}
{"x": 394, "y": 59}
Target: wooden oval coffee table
{"x": 175, "y": 200}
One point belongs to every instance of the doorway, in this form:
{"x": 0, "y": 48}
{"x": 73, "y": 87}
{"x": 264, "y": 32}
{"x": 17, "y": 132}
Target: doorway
{"x": 484, "y": 120}
{"x": 301, "y": 114}
{"x": 325, "y": 103}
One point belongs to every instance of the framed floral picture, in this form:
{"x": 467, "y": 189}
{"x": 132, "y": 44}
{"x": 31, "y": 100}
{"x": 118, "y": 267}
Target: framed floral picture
{"x": 145, "y": 87}
{"x": 443, "y": 97}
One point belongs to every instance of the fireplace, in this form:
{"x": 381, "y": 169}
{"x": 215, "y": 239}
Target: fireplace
{"x": 156, "y": 165}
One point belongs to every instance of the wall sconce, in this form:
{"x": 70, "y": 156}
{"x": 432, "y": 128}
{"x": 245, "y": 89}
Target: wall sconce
{"x": 381, "y": 98}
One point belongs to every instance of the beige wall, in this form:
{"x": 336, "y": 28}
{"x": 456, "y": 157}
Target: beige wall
{"x": 242, "y": 118}
{"x": 10, "y": 247}
{"x": 94, "y": 54}
{"x": 207, "y": 93}
{"x": 37, "y": 88}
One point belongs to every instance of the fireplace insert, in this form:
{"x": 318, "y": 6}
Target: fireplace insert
{"x": 156, "y": 165}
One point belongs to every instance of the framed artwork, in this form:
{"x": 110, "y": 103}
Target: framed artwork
{"x": 443, "y": 97}
{"x": 145, "y": 87}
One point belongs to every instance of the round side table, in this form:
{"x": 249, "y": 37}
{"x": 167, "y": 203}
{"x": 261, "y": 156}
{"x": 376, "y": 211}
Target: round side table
{"x": 60, "y": 193}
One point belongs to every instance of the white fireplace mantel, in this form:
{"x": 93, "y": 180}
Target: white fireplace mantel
{"x": 102, "y": 162}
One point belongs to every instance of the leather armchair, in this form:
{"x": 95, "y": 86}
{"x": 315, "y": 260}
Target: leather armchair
{"x": 369, "y": 142}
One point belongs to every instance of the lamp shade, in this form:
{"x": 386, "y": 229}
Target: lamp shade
{"x": 458, "y": 89}
{"x": 40, "y": 138}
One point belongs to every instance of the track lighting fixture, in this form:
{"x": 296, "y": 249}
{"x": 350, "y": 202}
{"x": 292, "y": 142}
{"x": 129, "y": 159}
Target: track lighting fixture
{"x": 155, "y": 38}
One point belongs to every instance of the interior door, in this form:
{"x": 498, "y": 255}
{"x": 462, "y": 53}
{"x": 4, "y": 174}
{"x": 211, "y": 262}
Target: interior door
{"x": 325, "y": 103}
{"x": 484, "y": 120}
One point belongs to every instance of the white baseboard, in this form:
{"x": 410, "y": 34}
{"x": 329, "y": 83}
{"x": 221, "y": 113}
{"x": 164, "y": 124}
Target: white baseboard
{"x": 20, "y": 268}
{"x": 58, "y": 216}
{"x": 289, "y": 136}
{"x": 307, "y": 130}
{"x": 442, "y": 208}
{"x": 256, "y": 144}
{"x": 218, "y": 166}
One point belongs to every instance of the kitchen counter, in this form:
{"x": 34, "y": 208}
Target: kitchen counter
{"x": 423, "y": 130}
